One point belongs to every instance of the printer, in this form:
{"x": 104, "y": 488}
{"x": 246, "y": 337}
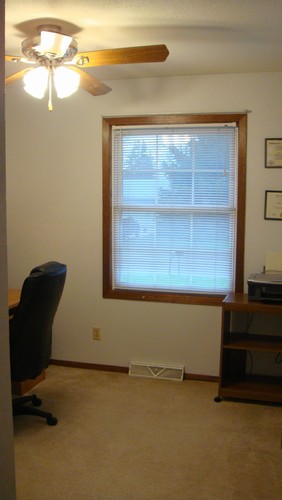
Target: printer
{"x": 265, "y": 287}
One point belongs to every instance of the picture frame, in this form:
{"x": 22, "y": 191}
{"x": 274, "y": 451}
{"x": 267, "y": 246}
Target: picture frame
{"x": 273, "y": 205}
{"x": 273, "y": 153}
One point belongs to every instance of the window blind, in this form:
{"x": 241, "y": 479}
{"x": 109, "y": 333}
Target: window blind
{"x": 174, "y": 208}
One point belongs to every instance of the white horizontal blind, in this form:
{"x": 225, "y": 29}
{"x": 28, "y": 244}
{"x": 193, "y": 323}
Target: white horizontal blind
{"x": 174, "y": 208}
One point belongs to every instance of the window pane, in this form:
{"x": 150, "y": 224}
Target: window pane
{"x": 183, "y": 252}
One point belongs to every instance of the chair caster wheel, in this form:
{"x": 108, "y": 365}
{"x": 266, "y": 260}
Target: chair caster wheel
{"x": 217, "y": 399}
{"x": 52, "y": 420}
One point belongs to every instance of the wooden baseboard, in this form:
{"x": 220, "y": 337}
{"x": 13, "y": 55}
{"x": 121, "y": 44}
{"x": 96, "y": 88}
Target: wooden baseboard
{"x": 122, "y": 369}
{"x": 20, "y": 388}
{"x": 88, "y": 366}
{"x": 203, "y": 378}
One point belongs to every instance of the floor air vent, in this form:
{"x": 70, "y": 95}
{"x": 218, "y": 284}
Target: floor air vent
{"x": 156, "y": 371}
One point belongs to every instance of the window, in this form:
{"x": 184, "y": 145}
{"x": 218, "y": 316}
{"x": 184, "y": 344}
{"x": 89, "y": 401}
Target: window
{"x": 174, "y": 197}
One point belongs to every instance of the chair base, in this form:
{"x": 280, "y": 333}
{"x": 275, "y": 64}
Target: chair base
{"x": 19, "y": 408}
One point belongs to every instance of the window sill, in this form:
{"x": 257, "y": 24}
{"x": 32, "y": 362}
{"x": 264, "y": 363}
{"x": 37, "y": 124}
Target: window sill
{"x": 176, "y": 298}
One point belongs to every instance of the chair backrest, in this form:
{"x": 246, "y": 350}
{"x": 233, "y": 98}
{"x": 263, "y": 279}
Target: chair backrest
{"x": 31, "y": 325}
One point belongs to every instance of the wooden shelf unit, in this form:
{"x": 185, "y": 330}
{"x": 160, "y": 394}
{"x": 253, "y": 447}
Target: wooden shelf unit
{"x": 234, "y": 382}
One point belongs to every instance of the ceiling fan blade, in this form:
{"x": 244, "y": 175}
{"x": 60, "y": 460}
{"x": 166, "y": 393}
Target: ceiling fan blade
{"x": 18, "y": 59}
{"x": 15, "y": 76}
{"x": 127, "y": 55}
{"x": 91, "y": 84}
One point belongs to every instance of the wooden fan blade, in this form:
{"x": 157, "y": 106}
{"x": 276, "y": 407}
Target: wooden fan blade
{"x": 18, "y": 59}
{"x": 128, "y": 55}
{"x": 15, "y": 76}
{"x": 91, "y": 84}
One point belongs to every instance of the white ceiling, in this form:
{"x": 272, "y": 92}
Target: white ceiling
{"x": 203, "y": 36}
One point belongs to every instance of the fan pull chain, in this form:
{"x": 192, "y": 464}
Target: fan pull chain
{"x": 50, "y": 105}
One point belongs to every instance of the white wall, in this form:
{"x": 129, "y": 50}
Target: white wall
{"x": 54, "y": 165}
{"x": 7, "y": 467}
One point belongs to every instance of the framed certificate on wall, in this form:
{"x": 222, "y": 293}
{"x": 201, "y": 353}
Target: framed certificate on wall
{"x": 273, "y": 205}
{"x": 273, "y": 153}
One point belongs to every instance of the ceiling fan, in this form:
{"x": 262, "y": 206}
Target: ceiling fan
{"x": 57, "y": 60}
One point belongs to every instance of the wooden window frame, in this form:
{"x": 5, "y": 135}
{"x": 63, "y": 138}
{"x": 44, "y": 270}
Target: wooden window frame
{"x": 172, "y": 297}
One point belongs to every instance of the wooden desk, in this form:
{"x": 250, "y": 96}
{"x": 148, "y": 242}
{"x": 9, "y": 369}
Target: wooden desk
{"x": 235, "y": 382}
{"x": 14, "y": 295}
{"x": 19, "y": 388}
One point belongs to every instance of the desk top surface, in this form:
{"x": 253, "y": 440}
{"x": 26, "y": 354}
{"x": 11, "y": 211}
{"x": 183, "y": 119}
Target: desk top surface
{"x": 241, "y": 302}
{"x": 13, "y": 297}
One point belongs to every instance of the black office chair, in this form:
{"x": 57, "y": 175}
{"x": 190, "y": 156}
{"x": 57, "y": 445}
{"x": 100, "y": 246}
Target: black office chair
{"x": 31, "y": 331}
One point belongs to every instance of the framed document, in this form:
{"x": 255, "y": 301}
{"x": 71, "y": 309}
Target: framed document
{"x": 273, "y": 205}
{"x": 273, "y": 153}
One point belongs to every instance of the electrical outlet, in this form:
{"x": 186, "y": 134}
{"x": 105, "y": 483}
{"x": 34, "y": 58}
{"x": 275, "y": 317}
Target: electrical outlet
{"x": 96, "y": 333}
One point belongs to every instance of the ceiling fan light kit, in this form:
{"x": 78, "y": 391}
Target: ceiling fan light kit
{"x": 36, "y": 81}
{"x": 52, "y": 50}
{"x": 66, "y": 81}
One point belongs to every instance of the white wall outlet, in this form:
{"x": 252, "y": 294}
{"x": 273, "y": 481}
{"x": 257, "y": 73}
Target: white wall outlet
{"x": 96, "y": 333}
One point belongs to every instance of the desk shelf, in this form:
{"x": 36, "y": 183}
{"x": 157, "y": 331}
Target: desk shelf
{"x": 256, "y": 388}
{"x": 234, "y": 381}
{"x": 252, "y": 342}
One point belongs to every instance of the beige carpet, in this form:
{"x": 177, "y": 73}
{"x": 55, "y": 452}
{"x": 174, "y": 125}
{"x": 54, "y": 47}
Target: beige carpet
{"x": 127, "y": 438}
